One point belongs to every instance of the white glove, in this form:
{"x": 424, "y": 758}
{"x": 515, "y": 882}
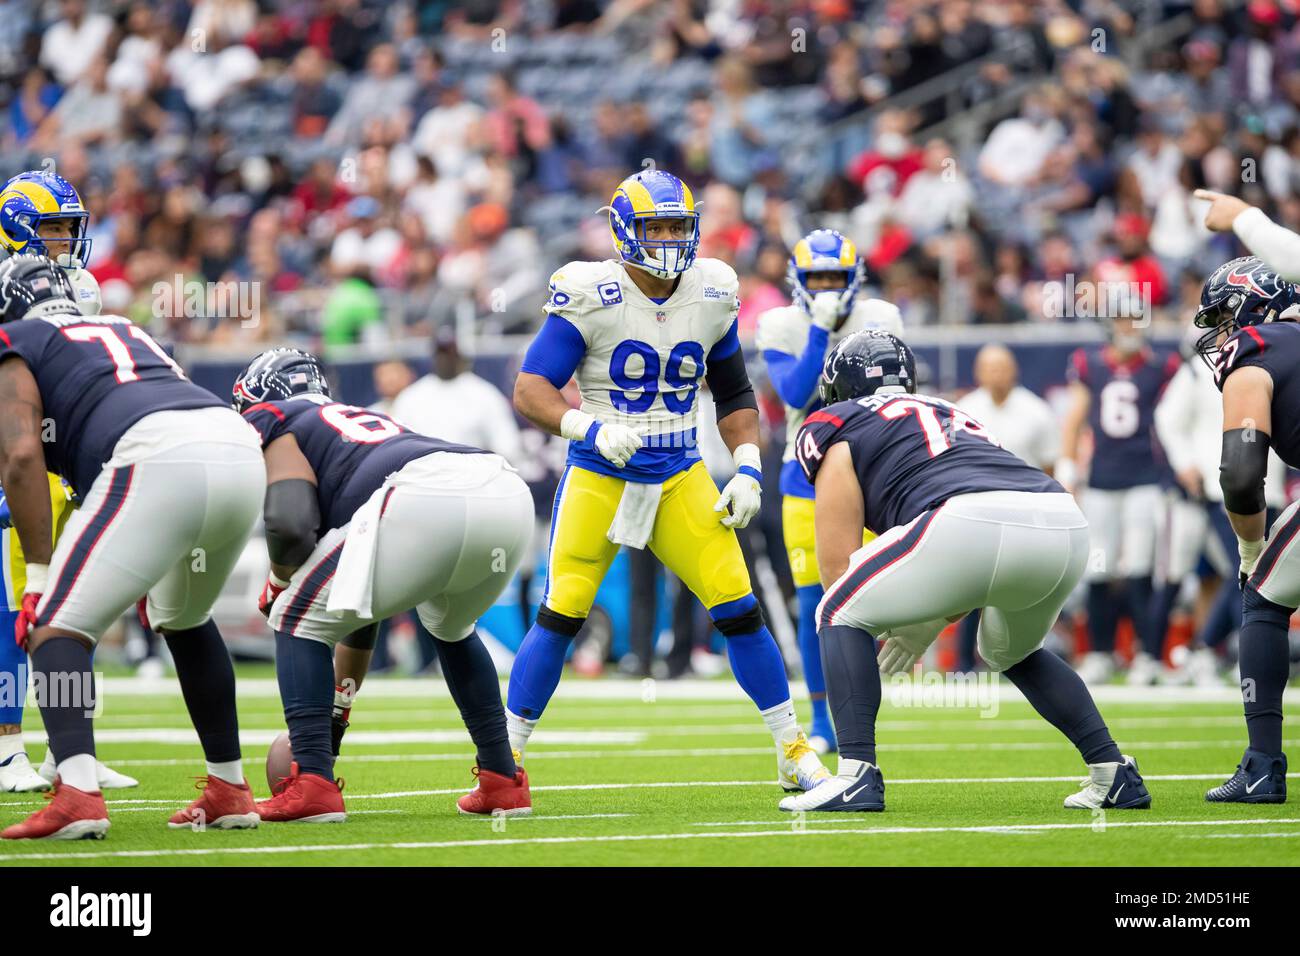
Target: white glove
{"x": 902, "y": 647}
{"x": 826, "y": 310}
{"x": 743, "y": 496}
{"x": 616, "y": 443}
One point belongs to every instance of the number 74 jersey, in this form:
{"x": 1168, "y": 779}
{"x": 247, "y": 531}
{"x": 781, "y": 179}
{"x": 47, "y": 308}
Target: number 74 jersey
{"x": 912, "y": 453}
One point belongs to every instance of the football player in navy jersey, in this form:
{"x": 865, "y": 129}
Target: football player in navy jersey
{"x": 1252, "y": 342}
{"x": 963, "y": 525}
{"x": 171, "y": 482}
{"x": 1115, "y": 387}
{"x": 366, "y": 519}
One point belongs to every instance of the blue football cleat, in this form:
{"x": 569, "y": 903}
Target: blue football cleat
{"x": 1260, "y": 778}
{"x": 859, "y": 788}
{"x": 1111, "y": 786}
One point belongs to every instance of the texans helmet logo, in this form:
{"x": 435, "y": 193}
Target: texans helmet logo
{"x": 1245, "y": 280}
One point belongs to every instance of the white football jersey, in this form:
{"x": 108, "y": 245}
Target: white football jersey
{"x": 644, "y": 360}
{"x": 786, "y": 330}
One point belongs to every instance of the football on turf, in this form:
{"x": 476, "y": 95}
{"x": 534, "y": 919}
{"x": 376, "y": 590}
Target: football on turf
{"x": 279, "y": 759}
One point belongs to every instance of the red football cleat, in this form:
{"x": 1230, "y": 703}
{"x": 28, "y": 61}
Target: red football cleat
{"x": 223, "y": 806}
{"x": 497, "y": 795}
{"x": 304, "y": 798}
{"x": 71, "y": 814}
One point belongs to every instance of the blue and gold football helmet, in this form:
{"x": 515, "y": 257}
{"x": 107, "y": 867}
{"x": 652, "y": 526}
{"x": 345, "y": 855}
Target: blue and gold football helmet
{"x": 653, "y": 194}
{"x": 32, "y": 198}
{"x": 825, "y": 250}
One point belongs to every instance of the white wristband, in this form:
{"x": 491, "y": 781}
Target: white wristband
{"x": 1249, "y": 552}
{"x": 38, "y": 576}
{"x": 747, "y": 454}
{"x": 1066, "y": 472}
{"x": 276, "y": 581}
{"x": 574, "y": 424}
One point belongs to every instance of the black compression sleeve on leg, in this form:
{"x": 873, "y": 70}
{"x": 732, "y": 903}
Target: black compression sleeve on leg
{"x": 1265, "y": 667}
{"x": 852, "y": 688}
{"x": 472, "y": 681}
{"x": 61, "y": 663}
{"x": 207, "y": 679}
{"x": 1060, "y": 696}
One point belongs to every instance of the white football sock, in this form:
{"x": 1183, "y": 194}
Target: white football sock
{"x": 519, "y": 730}
{"x": 781, "y": 720}
{"x": 80, "y": 772}
{"x": 850, "y": 768}
{"x": 231, "y": 771}
{"x": 10, "y": 744}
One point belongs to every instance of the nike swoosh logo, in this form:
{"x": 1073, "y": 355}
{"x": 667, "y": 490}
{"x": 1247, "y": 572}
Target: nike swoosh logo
{"x": 849, "y": 795}
{"x": 1251, "y": 788}
{"x": 1115, "y": 798}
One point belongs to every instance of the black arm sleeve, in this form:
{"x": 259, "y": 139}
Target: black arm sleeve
{"x": 1242, "y": 469}
{"x": 292, "y": 519}
{"x": 729, "y": 382}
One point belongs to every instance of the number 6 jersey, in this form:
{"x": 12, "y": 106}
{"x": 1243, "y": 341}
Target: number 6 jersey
{"x": 352, "y": 450}
{"x": 912, "y": 453}
{"x": 1121, "y": 414}
{"x": 98, "y": 376}
{"x": 638, "y": 361}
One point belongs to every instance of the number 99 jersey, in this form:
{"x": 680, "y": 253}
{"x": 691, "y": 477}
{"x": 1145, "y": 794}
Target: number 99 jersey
{"x": 1121, "y": 414}
{"x": 638, "y": 362}
{"x": 352, "y": 450}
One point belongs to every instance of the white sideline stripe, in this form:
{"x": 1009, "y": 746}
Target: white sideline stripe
{"x": 708, "y": 690}
{"x": 786, "y": 831}
{"x": 1242, "y": 836}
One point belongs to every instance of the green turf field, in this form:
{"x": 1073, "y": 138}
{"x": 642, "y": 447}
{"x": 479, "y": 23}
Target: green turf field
{"x": 682, "y": 774}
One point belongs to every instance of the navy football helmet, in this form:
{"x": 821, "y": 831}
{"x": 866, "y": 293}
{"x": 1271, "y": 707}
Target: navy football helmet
{"x": 33, "y": 286}
{"x": 1242, "y": 292}
{"x": 865, "y": 362}
{"x": 278, "y": 374}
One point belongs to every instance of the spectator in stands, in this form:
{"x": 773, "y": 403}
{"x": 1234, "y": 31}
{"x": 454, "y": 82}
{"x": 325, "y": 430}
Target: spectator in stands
{"x": 742, "y": 120}
{"x": 514, "y": 122}
{"x": 29, "y": 108}
{"x": 937, "y": 196}
{"x": 314, "y": 100}
{"x": 1015, "y": 151}
{"x": 382, "y": 93}
{"x": 454, "y": 404}
{"x": 353, "y": 312}
{"x": 74, "y": 42}
{"x": 892, "y": 159}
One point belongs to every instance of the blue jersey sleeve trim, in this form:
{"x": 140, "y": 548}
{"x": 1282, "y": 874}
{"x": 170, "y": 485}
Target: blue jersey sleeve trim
{"x": 556, "y": 351}
{"x": 726, "y": 346}
{"x": 796, "y": 378}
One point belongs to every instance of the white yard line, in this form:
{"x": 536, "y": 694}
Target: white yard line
{"x": 671, "y": 784}
{"x": 665, "y": 690}
{"x": 787, "y": 831}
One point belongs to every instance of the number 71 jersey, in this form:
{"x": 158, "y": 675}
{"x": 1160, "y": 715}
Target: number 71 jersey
{"x": 98, "y": 375}
{"x": 351, "y": 450}
{"x": 912, "y": 453}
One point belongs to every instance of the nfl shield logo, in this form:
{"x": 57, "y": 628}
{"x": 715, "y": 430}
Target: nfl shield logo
{"x": 661, "y": 317}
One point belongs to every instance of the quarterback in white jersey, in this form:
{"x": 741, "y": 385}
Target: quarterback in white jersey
{"x": 640, "y": 332}
{"x": 825, "y": 275}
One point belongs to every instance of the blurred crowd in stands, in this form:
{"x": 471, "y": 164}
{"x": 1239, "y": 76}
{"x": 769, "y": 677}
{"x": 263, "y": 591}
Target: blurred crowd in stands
{"x": 380, "y": 169}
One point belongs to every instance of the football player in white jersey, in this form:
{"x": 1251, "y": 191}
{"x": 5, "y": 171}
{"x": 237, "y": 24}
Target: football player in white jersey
{"x": 640, "y": 331}
{"x": 825, "y": 276}
{"x": 40, "y": 214}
